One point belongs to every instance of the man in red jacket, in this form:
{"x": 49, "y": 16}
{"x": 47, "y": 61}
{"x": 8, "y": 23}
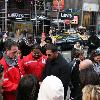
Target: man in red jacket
{"x": 35, "y": 62}
{"x": 12, "y": 70}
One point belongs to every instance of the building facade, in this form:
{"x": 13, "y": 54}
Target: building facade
{"x": 88, "y": 12}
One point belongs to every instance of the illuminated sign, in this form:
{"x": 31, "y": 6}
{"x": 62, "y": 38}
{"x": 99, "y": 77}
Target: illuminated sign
{"x": 16, "y": 15}
{"x": 64, "y": 15}
{"x": 90, "y": 7}
{"x": 74, "y": 21}
{"x": 58, "y": 4}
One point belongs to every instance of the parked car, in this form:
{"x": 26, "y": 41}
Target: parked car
{"x": 67, "y": 41}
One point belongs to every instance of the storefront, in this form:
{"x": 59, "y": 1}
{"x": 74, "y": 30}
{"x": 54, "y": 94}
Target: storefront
{"x": 17, "y": 19}
{"x": 90, "y": 15}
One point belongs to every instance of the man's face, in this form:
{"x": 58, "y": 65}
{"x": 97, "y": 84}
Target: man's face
{"x": 12, "y": 53}
{"x": 97, "y": 59}
{"x": 36, "y": 53}
{"x": 50, "y": 54}
{"x": 81, "y": 56}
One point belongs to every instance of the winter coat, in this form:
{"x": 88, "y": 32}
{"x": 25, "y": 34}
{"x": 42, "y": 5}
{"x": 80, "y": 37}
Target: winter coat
{"x": 12, "y": 76}
{"x": 59, "y": 68}
{"x": 75, "y": 80}
{"x": 32, "y": 66}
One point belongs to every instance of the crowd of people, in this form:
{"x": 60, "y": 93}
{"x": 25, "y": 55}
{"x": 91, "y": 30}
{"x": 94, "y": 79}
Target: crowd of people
{"x": 38, "y": 71}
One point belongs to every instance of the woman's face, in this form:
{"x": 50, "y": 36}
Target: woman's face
{"x": 77, "y": 44}
{"x": 97, "y": 59}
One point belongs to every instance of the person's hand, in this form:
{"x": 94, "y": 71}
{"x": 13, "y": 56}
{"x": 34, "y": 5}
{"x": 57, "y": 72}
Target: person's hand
{"x": 40, "y": 83}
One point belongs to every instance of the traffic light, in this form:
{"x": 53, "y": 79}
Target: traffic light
{"x": 20, "y": 4}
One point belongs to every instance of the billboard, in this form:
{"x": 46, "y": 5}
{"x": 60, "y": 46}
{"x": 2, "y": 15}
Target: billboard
{"x": 58, "y": 4}
{"x": 21, "y": 26}
{"x": 64, "y": 15}
{"x": 90, "y": 7}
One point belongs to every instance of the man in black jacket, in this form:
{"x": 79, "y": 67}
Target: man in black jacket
{"x": 56, "y": 65}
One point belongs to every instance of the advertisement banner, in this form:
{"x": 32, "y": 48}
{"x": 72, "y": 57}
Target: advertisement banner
{"x": 20, "y": 27}
{"x": 58, "y": 4}
{"x": 90, "y": 7}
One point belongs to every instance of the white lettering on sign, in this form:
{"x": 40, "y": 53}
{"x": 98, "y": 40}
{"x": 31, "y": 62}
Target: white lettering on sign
{"x": 16, "y": 15}
{"x": 66, "y": 15}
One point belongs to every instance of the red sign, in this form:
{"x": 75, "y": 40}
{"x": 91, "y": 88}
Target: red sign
{"x": 74, "y": 21}
{"x": 58, "y": 4}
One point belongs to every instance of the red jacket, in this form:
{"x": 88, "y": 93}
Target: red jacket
{"x": 12, "y": 76}
{"x": 35, "y": 67}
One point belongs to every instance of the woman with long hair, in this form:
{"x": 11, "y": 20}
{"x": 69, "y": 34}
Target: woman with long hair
{"x": 91, "y": 92}
{"x": 28, "y": 88}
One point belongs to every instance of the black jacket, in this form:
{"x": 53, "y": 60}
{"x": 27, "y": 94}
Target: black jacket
{"x": 93, "y": 42}
{"x": 75, "y": 80}
{"x": 60, "y": 68}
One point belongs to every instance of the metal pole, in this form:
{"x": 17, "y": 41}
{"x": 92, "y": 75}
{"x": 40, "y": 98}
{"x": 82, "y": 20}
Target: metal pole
{"x": 64, "y": 26}
{"x": 44, "y": 14}
{"x": 6, "y": 15}
{"x": 70, "y": 24}
{"x": 44, "y": 7}
{"x": 43, "y": 25}
{"x": 36, "y": 16}
{"x": 58, "y": 14}
{"x": 82, "y": 14}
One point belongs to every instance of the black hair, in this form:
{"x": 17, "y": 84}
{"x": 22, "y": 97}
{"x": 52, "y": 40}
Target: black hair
{"x": 92, "y": 32}
{"x": 9, "y": 43}
{"x": 89, "y": 76}
{"x": 94, "y": 53}
{"x": 52, "y": 47}
{"x": 75, "y": 53}
{"x": 28, "y": 88}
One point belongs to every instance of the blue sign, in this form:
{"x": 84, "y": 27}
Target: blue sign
{"x": 71, "y": 10}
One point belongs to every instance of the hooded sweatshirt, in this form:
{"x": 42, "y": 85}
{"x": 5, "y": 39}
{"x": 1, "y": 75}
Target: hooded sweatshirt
{"x": 51, "y": 89}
